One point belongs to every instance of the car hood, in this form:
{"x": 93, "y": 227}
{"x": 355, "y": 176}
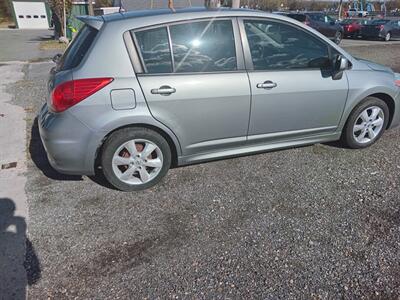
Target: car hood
{"x": 376, "y": 67}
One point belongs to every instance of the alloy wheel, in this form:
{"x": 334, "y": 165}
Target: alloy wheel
{"x": 368, "y": 124}
{"x": 338, "y": 37}
{"x": 137, "y": 161}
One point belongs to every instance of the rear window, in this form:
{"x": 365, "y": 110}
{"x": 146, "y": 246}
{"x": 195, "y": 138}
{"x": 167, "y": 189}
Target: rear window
{"x": 301, "y": 18}
{"x": 78, "y": 48}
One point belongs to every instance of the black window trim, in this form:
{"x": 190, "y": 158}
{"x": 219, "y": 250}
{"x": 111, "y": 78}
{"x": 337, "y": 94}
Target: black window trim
{"x": 247, "y": 52}
{"x": 142, "y": 71}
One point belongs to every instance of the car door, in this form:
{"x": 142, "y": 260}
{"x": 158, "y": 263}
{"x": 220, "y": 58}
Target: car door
{"x": 293, "y": 93}
{"x": 331, "y": 26}
{"x": 195, "y": 82}
{"x": 321, "y": 25}
{"x": 396, "y": 28}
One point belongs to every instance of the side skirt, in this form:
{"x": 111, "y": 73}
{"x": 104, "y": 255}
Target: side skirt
{"x": 257, "y": 148}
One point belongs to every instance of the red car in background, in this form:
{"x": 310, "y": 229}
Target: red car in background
{"x": 351, "y": 27}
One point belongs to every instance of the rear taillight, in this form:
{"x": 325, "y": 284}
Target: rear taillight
{"x": 69, "y": 93}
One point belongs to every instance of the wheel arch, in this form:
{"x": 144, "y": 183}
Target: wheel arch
{"x": 389, "y": 102}
{"x": 163, "y": 133}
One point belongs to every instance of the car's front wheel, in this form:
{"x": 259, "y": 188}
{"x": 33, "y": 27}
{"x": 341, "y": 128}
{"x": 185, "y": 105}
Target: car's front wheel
{"x": 388, "y": 37}
{"x": 135, "y": 158}
{"x": 366, "y": 123}
{"x": 338, "y": 37}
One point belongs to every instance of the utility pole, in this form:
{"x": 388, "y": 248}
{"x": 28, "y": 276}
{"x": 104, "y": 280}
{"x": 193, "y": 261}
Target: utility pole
{"x": 235, "y": 3}
{"x": 65, "y": 20}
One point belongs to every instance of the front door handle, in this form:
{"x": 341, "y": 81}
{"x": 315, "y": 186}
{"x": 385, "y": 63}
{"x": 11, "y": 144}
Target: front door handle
{"x": 164, "y": 90}
{"x": 267, "y": 85}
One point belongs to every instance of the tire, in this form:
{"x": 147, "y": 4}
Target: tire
{"x": 120, "y": 148}
{"x": 355, "y": 139}
{"x": 338, "y": 37}
{"x": 387, "y": 37}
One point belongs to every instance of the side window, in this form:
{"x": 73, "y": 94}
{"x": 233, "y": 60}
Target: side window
{"x": 278, "y": 46}
{"x": 206, "y": 46}
{"x": 154, "y": 47}
{"x": 317, "y": 17}
{"x": 328, "y": 19}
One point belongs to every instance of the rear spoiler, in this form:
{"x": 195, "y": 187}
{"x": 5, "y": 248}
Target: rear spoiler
{"x": 92, "y": 21}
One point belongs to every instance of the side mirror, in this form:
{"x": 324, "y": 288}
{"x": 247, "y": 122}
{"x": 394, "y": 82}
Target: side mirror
{"x": 340, "y": 64}
{"x": 57, "y": 58}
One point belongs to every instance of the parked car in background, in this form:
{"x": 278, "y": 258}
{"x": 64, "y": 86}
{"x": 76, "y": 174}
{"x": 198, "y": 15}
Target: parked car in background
{"x": 351, "y": 27}
{"x": 352, "y": 12}
{"x": 384, "y": 29}
{"x": 197, "y": 85}
{"x": 320, "y": 22}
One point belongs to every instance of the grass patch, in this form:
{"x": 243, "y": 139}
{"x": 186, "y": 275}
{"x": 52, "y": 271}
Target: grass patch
{"x": 52, "y": 45}
{"x": 6, "y": 23}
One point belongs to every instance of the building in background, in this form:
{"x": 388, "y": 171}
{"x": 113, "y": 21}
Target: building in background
{"x": 31, "y": 14}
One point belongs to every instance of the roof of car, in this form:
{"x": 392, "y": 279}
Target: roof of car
{"x": 181, "y": 13}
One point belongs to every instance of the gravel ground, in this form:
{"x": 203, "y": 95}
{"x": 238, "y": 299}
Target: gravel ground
{"x": 311, "y": 222}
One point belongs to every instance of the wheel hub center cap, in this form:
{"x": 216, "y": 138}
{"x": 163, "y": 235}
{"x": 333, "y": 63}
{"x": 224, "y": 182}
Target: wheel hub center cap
{"x": 138, "y": 162}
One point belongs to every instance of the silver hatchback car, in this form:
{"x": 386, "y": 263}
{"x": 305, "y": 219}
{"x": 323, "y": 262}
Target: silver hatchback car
{"x": 136, "y": 93}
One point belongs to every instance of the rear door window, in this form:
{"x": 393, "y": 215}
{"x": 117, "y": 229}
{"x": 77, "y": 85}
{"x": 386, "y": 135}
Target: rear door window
{"x": 200, "y": 46}
{"x": 78, "y": 48}
{"x": 207, "y": 46}
{"x": 155, "y": 50}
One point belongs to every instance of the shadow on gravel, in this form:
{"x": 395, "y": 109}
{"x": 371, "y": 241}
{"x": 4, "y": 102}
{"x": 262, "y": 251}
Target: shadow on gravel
{"x": 42, "y": 38}
{"x": 39, "y": 157}
{"x": 19, "y": 265}
{"x": 100, "y": 179}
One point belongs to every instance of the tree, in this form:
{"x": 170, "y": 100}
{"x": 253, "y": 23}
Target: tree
{"x": 235, "y": 3}
{"x": 57, "y": 7}
{"x": 90, "y": 8}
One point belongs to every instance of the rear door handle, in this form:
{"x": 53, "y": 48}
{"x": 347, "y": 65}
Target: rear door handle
{"x": 267, "y": 85}
{"x": 164, "y": 90}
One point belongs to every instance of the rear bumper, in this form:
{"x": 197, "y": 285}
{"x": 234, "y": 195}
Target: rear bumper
{"x": 70, "y": 145}
{"x": 347, "y": 32}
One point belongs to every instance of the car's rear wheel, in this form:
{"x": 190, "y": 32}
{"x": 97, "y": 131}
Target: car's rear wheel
{"x": 135, "y": 158}
{"x": 366, "y": 123}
